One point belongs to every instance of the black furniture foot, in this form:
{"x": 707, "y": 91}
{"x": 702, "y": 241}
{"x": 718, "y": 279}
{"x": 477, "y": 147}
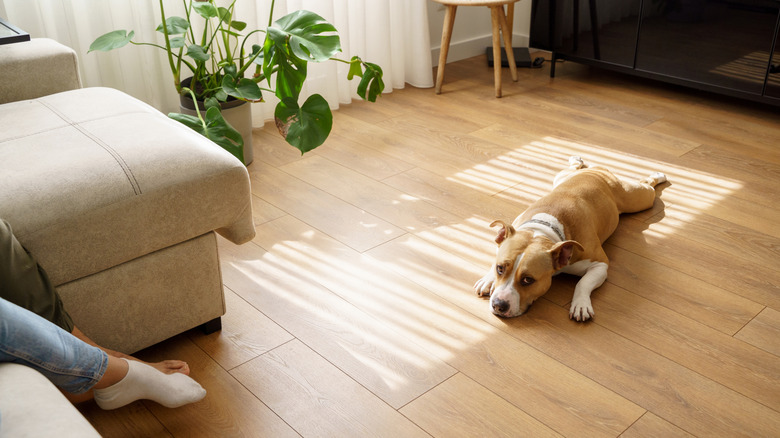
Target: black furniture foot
{"x": 522, "y": 57}
{"x": 212, "y": 326}
{"x": 552, "y": 65}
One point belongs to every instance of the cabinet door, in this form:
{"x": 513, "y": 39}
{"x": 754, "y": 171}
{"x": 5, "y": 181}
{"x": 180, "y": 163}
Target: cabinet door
{"x": 773, "y": 79}
{"x": 603, "y": 30}
{"x": 714, "y": 42}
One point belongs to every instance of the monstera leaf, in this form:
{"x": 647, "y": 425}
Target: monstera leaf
{"x": 112, "y": 40}
{"x": 205, "y": 9}
{"x": 309, "y": 36}
{"x": 371, "y": 83}
{"x": 305, "y": 127}
{"x": 292, "y": 41}
{"x": 244, "y": 89}
{"x": 175, "y": 25}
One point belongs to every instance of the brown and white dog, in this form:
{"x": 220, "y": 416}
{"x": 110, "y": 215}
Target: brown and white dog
{"x": 562, "y": 232}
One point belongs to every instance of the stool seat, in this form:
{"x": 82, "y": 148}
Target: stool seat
{"x": 501, "y": 25}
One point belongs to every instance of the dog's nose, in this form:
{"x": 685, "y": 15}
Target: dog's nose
{"x": 500, "y": 306}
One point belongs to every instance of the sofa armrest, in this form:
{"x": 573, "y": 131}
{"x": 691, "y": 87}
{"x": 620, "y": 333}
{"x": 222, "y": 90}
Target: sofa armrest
{"x": 36, "y": 68}
{"x": 31, "y": 406}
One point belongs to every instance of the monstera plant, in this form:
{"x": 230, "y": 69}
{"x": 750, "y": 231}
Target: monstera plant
{"x": 214, "y": 49}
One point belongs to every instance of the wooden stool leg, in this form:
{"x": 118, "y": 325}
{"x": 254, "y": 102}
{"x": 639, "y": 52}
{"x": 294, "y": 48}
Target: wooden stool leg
{"x": 510, "y": 19}
{"x": 446, "y": 35}
{"x": 494, "y": 13}
{"x": 510, "y": 53}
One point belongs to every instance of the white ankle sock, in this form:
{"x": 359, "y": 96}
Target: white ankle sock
{"x": 144, "y": 382}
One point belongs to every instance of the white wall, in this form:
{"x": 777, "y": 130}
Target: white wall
{"x": 473, "y": 31}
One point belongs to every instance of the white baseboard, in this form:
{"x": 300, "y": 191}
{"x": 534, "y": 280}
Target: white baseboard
{"x": 473, "y": 47}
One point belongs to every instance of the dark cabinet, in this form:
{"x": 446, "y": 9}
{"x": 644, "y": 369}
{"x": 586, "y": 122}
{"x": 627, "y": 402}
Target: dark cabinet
{"x": 586, "y": 29}
{"x": 724, "y": 46}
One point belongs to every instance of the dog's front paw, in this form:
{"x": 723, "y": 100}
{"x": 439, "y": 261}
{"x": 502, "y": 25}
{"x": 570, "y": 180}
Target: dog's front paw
{"x": 484, "y": 286}
{"x": 581, "y": 310}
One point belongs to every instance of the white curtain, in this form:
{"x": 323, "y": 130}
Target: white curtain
{"x": 391, "y": 33}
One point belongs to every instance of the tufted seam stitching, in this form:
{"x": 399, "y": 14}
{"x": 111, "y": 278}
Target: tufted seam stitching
{"x": 117, "y": 157}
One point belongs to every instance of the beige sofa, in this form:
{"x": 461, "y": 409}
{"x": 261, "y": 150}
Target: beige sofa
{"x": 118, "y": 203}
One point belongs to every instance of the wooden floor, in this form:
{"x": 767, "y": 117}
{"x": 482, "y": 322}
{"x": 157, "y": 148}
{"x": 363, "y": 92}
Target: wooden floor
{"x": 352, "y": 313}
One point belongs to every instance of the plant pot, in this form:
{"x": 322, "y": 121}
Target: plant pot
{"x": 238, "y": 113}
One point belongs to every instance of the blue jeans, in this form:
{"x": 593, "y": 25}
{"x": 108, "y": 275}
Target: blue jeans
{"x": 68, "y": 362}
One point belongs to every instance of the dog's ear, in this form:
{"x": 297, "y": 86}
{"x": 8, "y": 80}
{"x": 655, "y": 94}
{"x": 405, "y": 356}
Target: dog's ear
{"x": 504, "y": 232}
{"x": 561, "y": 253}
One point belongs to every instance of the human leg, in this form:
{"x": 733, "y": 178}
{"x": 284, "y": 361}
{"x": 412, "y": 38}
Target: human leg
{"x": 76, "y": 367}
{"x": 30, "y": 340}
{"x": 166, "y": 366}
{"x": 24, "y": 282}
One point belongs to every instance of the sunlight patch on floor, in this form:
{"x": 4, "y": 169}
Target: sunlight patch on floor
{"x": 536, "y": 164}
{"x": 387, "y": 360}
{"x": 372, "y": 290}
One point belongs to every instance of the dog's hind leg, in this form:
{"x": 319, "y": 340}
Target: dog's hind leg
{"x": 640, "y": 195}
{"x": 575, "y": 164}
{"x": 654, "y": 179}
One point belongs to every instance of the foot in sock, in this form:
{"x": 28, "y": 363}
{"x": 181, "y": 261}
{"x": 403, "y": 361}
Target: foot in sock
{"x": 145, "y": 382}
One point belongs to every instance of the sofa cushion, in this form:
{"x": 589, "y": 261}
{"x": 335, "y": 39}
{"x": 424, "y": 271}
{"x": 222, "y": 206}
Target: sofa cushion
{"x": 92, "y": 178}
{"x": 31, "y": 406}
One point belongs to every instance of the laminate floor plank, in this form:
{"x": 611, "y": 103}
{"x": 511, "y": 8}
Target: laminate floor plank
{"x": 701, "y": 301}
{"x": 651, "y": 426}
{"x": 318, "y": 399}
{"x": 722, "y": 358}
{"x": 352, "y": 225}
{"x": 269, "y": 147}
{"x": 369, "y": 162}
{"x": 755, "y": 175}
{"x": 744, "y": 242}
{"x": 677, "y": 394}
{"x": 671, "y": 247}
{"x": 456, "y": 154}
{"x": 368, "y": 350}
{"x": 763, "y": 331}
{"x": 456, "y": 196}
{"x": 263, "y": 212}
{"x": 405, "y": 212}
{"x": 456, "y": 408}
{"x": 246, "y": 333}
{"x": 229, "y": 409}
{"x": 726, "y": 131}
{"x": 131, "y": 421}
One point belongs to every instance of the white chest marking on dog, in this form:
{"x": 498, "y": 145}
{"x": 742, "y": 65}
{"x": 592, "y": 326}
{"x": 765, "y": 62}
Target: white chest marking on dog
{"x": 545, "y": 225}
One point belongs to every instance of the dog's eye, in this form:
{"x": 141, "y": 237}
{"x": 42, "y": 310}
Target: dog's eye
{"x": 499, "y": 269}
{"x": 527, "y": 281}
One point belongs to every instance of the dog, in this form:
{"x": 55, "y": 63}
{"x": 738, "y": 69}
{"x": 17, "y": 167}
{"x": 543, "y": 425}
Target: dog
{"x": 562, "y": 232}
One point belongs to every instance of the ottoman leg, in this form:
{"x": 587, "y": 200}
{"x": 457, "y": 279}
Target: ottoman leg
{"x": 212, "y": 326}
